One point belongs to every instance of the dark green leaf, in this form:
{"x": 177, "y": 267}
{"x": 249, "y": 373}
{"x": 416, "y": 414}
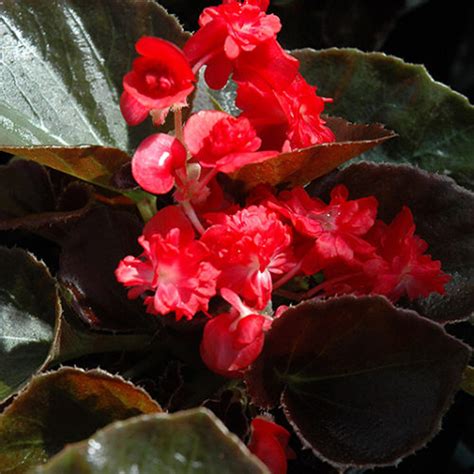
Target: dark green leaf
{"x": 63, "y": 407}
{"x": 435, "y": 124}
{"x": 61, "y": 75}
{"x": 362, "y": 382}
{"x": 444, "y": 217}
{"x": 75, "y": 339}
{"x": 87, "y": 263}
{"x": 185, "y": 442}
{"x": 28, "y": 199}
{"x": 29, "y": 316}
{"x": 302, "y": 166}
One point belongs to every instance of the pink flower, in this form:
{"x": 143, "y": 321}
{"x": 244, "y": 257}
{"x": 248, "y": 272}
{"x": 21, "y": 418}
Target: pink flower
{"x": 249, "y": 247}
{"x": 222, "y": 142}
{"x": 173, "y": 273}
{"x": 160, "y": 78}
{"x": 155, "y": 162}
{"x": 269, "y": 442}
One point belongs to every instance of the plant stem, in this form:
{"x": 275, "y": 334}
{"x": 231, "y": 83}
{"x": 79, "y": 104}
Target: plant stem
{"x": 192, "y": 216}
{"x": 147, "y": 207}
{"x": 178, "y": 124}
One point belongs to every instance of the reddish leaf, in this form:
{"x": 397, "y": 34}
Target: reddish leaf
{"x": 444, "y": 217}
{"x": 28, "y": 199}
{"x": 60, "y": 91}
{"x": 63, "y": 407}
{"x": 94, "y": 164}
{"x": 362, "y": 382}
{"x": 88, "y": 259}
{"x": 192, "y": 441}
{"x": 302, "y": 166}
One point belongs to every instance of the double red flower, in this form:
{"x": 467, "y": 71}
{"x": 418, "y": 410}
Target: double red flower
{"x": 208, "y": 246}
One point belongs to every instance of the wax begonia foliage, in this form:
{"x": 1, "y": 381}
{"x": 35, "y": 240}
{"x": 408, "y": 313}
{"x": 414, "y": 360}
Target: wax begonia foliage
{"x": 237, "y": 250}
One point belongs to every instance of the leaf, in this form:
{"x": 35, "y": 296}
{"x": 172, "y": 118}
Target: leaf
{"x": 63, "y": 407}
{"x": 88, "y": 259}
{"x": 435, "y": 124}
{"x": 187, "y": 441}
{"x": 443, "y": 216}
{"x": 468, "y": 380}
{"x": 75, "y": 339}
{"x": 29, "y": 316}
{"x": 61, "y": 76}
{"x": 28, "y": 199}
{"x": 302, "y": 166}
{"x": 362, "y": 382}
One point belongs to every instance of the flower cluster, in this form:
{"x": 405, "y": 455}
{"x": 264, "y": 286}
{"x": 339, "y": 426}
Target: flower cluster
{"x": 207, "y": 245}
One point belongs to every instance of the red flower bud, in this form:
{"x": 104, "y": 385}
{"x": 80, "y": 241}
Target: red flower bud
{"x": 232, "y": 342}
{"x": 269, "y": 442}
{"x": 155, "y": 161}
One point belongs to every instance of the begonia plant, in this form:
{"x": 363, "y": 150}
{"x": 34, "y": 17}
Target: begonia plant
{"x": 196, "y": 277}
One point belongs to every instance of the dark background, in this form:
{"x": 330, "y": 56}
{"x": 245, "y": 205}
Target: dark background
{"x": 436, "y": 33}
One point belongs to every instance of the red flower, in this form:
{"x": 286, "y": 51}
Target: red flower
{"x": 397, "y": 267}
{"x": 249, "y": 247}
{"x": 269, "y": 442}
{"x": 285, "y": 118}
{"x": 155, "y": 162}
{"x": 222, "y": 142}
{"x": 337, "y": 228}
{"x": 160, "y": 78}
{"x": 173, "y": 272}
{"x": 231, "y": 36}
{"x": 409, "y": 272}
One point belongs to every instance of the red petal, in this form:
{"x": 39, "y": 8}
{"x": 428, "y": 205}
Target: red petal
{"x": 132, "y": 110}
{"x": 168, "y": 219}
{"x": 166, "y": 53}
{"x": 198, "y": 128}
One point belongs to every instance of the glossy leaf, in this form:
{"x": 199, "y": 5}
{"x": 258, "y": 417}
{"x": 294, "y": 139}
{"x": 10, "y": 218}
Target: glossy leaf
{"x": 76, "y": 339}
{"x": 362, "y": 382}
{"x": 87, "y": 263}
{"x": 63, "y": 407}
{"x": 434, "y": 123}
{"x": 29, "y": 201}
{"x": 302, "y": 166}
{"x": 63, "y": 64}
{"x": 187, "y": 441}
{"x": 443, "y": 214}
{"x": 29, "y": 316}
